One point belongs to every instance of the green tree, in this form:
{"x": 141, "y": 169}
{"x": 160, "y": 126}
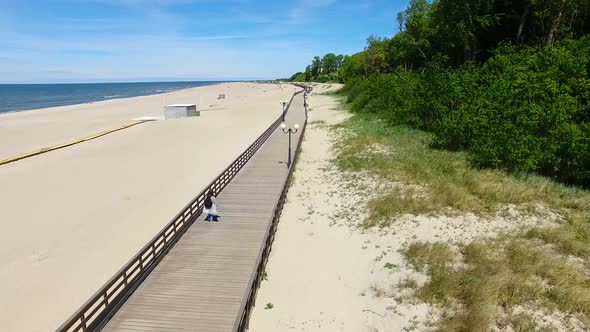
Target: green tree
{"x": 329, "y": 63}
{"x": 413, "y": 44}
{"x": 460, "y": 26}
{"x": 375, "y": 62}
{"x": 308, "y": 74}
{"x": 352, "y": 66}
{"x": 316, "y": 66}
{"x": 554, "y": 14}
{"x": 508, "y": 81}
{"x": 297, "y": 77}
{"x": 340, "y": 61}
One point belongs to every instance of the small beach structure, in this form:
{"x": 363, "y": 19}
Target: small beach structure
{"x": 176, "y": 111}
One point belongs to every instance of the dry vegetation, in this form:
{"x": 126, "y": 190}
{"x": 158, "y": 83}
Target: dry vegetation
{"x": 536, "y": 278}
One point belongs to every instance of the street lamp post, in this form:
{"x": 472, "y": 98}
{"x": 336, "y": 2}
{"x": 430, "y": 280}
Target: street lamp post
{"x": 284, "y": 103}
{"x": 289, "y": 131}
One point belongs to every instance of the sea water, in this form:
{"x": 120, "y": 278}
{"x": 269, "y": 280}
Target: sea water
{"x": 19, "y": 97}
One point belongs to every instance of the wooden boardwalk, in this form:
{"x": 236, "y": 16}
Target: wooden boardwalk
{"x": 201, "y": 284}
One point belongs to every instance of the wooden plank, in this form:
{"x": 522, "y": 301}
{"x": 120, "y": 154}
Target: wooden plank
{"x": 202, "y": 282}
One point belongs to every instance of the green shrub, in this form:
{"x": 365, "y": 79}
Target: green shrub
{"x": 523, "y": 110}
{"x": 355, "y": 89}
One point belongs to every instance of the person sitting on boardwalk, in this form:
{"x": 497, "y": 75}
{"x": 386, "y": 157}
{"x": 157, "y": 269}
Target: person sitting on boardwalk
{"x": 211, "y": 207}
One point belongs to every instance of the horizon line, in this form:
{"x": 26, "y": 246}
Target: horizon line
{"x": 144, "y": 81}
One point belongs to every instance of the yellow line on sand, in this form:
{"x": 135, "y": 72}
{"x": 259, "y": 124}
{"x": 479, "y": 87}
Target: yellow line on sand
{"x": 61, "y": 146}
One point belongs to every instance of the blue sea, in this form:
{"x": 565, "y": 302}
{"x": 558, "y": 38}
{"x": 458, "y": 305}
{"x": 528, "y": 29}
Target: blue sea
{"x": 17, "y": 97}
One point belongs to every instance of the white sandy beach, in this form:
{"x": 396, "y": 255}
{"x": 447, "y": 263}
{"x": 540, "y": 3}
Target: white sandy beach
{"x": 72, "y": 217}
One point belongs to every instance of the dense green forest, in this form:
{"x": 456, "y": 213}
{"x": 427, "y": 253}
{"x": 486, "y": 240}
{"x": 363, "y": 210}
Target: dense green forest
{"x": 506, "y": 80}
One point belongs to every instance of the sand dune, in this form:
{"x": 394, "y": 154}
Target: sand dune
{"x": 72, "y": 217}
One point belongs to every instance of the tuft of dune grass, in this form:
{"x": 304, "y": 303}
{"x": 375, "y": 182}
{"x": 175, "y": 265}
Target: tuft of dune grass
{"x": 494, "y": 278}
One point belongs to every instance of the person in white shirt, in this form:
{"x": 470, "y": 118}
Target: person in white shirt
{"x": 210, "y": 207}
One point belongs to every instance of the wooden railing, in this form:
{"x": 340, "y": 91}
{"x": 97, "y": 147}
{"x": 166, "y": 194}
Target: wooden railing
{"x": 248, "y": 302}
{"x": 96, "y": 312}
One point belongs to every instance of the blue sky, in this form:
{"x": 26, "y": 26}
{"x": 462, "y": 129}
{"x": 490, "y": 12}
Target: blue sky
{"x": 145, "y": 40}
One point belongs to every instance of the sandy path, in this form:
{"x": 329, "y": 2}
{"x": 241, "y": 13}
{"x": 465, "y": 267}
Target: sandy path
{"x": 323, "y": 273}
{"x": 72, "y": 217}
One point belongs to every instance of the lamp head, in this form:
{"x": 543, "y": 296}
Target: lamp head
{"x": 296, "y": 126}
{"x": 283, "y": 125}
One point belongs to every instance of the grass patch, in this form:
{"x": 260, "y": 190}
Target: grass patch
{"x": 335, "y": 92}
{"x": 571, "y": 238}
{"x": 318, "y": 122}
{"x": 477, "y": 285}
{"x": 438, "y": 181}
{"x": 391, "y": 266}
{"x": 408, "y": 283}
{"x": 379, "y": 291}
{"x": 493, "y": 278}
